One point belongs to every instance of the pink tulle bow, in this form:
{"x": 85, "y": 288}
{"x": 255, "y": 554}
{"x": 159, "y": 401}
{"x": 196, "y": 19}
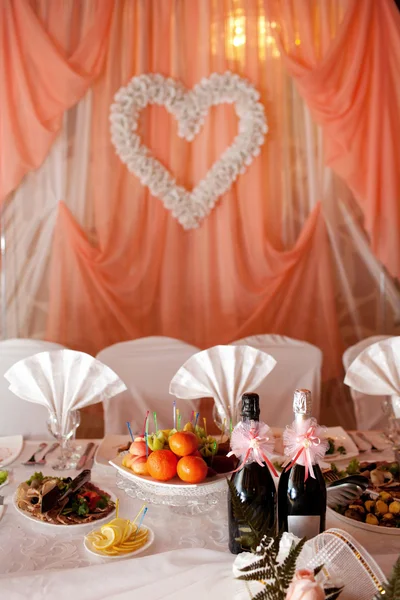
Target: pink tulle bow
{"x": 305, "y": 445}
{"x": 252, "y": 442}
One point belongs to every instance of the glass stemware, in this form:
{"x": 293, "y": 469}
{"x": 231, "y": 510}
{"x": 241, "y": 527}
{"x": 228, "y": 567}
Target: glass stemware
{"x": 64, "y": 432}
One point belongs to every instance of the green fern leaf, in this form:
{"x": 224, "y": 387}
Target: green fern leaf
{"x": 392, "y": 589}
{"x": 286, "y": 570}
{"x": 251, "y": 517}
{"x": 259, "y": 575}
{"x": 318, "y": 569}
{"x": 332, "y": 593}
{"x": 258, "y": 564}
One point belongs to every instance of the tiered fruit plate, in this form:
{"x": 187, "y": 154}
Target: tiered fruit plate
{"x": 184, "y": 498}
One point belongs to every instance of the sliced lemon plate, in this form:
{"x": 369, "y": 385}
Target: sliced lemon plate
{"x": 104, "y": 542}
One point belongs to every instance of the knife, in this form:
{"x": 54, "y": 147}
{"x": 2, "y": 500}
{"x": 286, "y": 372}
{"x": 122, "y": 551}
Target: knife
{"x": 90, "y": 460}
{"x": 56, "y": 495}
{"x": 84, "y": 457}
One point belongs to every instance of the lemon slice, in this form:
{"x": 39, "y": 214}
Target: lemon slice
{"x": 108, "y": 540}
{"x": 129, "y": 531}
{"x": 112, "y": 533}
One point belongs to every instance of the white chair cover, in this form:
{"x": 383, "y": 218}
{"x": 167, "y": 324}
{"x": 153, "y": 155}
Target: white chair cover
{"x": 146, "y": 366}
{"x": 368, "y": 409}
{"x": 16, "y": 415}
{"x": 298, "y": 365}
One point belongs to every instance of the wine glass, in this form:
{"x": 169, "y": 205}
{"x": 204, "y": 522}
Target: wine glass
{"x": 64, "y": 432}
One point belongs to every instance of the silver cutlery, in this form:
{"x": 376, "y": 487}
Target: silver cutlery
{"x": 361, "y": 444}
{"x": 330, "y": 476}
{"x": 90, "y": 460}
{"x": 1, "y": 500}
{"x": 346, "y": 490}
{"x": 343, "y": 494}
{"x": 32, "y": 460}
{"x": 85, "y": 456}
{"x": 42, "y": 461}
{"x": 362, "y": 436}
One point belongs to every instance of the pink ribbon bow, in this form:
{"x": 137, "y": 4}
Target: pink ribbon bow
{"x": 252, "y": 442}
{"x": 304, "y": 445}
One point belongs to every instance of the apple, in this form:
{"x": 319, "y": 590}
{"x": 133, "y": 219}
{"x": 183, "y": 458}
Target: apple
{"x": 139, "y": 466}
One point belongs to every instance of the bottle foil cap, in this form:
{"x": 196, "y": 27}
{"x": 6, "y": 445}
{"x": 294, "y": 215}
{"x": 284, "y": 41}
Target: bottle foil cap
{"x": 251, "y": 406}
{"x": 302, "y": 402}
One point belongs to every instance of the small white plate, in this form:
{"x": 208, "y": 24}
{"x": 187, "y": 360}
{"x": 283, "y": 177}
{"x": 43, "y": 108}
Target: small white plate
{"x": 366, "y": 526}
{"x": 74, "y": 526}
{"x": 341, "y": 438}
{"x": 10, "y": 448}
{"x": 172, "y": 483}
{"x": 108, "y": 448}
{"x": 90, "y": 548}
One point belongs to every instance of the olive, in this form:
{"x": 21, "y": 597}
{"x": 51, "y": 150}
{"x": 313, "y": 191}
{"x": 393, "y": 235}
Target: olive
{"x": 34, "y": 500}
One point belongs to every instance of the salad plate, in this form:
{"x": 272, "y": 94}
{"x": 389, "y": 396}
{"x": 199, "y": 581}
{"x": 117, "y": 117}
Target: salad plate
{"x": 88, "y": 506}
{"x": 90, "y": 548}
{"x": 10, "y": 448}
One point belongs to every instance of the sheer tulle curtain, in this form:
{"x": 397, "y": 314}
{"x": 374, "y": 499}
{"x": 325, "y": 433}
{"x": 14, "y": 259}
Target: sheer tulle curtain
{"x": 110, "y": 223}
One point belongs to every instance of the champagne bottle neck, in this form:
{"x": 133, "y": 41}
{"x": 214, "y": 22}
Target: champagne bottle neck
{"x": 248, "y": 419}
{"x": 299, "y": 419}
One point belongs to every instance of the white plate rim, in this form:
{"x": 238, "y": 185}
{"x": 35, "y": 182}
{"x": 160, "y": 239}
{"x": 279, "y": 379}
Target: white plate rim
{"x": 19, "y": 445}
{"x": 75, "y": 526}
{"x": 89, "y": 547}
{"x": 336, "y": 456}
{"x": 364, "y": 526}
{"x": 172, "y": 483}
{"x": 103, "y": 461}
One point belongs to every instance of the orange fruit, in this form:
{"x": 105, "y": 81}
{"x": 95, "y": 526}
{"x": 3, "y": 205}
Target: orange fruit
{"x": 183, "y": 443}
{"x": 161, "y": 465}
{"x": 192, "y": 469}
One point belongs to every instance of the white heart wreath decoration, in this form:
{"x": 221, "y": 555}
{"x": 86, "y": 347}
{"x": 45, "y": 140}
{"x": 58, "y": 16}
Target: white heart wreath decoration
{"x": 190, "y": 109}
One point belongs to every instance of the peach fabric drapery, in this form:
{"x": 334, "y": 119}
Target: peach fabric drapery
{"x": 139, "y": 273}
{"x": 351, "y": 85}
{"x": 50, "y": 53}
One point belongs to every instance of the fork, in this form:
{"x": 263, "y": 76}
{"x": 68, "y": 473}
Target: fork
{"x": 42, "y": 461}
{"x": 330, "y": 476}
{"x": 32, "y": 460}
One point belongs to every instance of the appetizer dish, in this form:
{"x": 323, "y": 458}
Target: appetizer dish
{"x": 119, "y": 537}
{"x": 373, "y": 509}
{"x": 333, "y": 449}
{"x": 190, "y": 454}
{"x": 383, "y": 476}
{"x": 63, "y": 501}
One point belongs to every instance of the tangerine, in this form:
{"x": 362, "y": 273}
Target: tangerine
{"x": 162, "y": 464}
{"x": 183, "y": 443}
{"x": 192, "y": 469}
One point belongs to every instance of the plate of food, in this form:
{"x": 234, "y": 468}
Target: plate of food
{"x": 187, "y": 458}
{"x": 10, "y": 448}
{"x": 341, "y": 446}
{"x": 379, "y": 512}
{"x": 62, "y": 501}
{"x": 120, "y": 538}
{"x": 383, "y": 476}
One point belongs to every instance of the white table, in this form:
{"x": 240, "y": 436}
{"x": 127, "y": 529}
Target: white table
{"x": 47, "y": 558}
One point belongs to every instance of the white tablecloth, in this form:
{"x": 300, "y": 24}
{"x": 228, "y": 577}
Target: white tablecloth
{"x": 189, "y": 557}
